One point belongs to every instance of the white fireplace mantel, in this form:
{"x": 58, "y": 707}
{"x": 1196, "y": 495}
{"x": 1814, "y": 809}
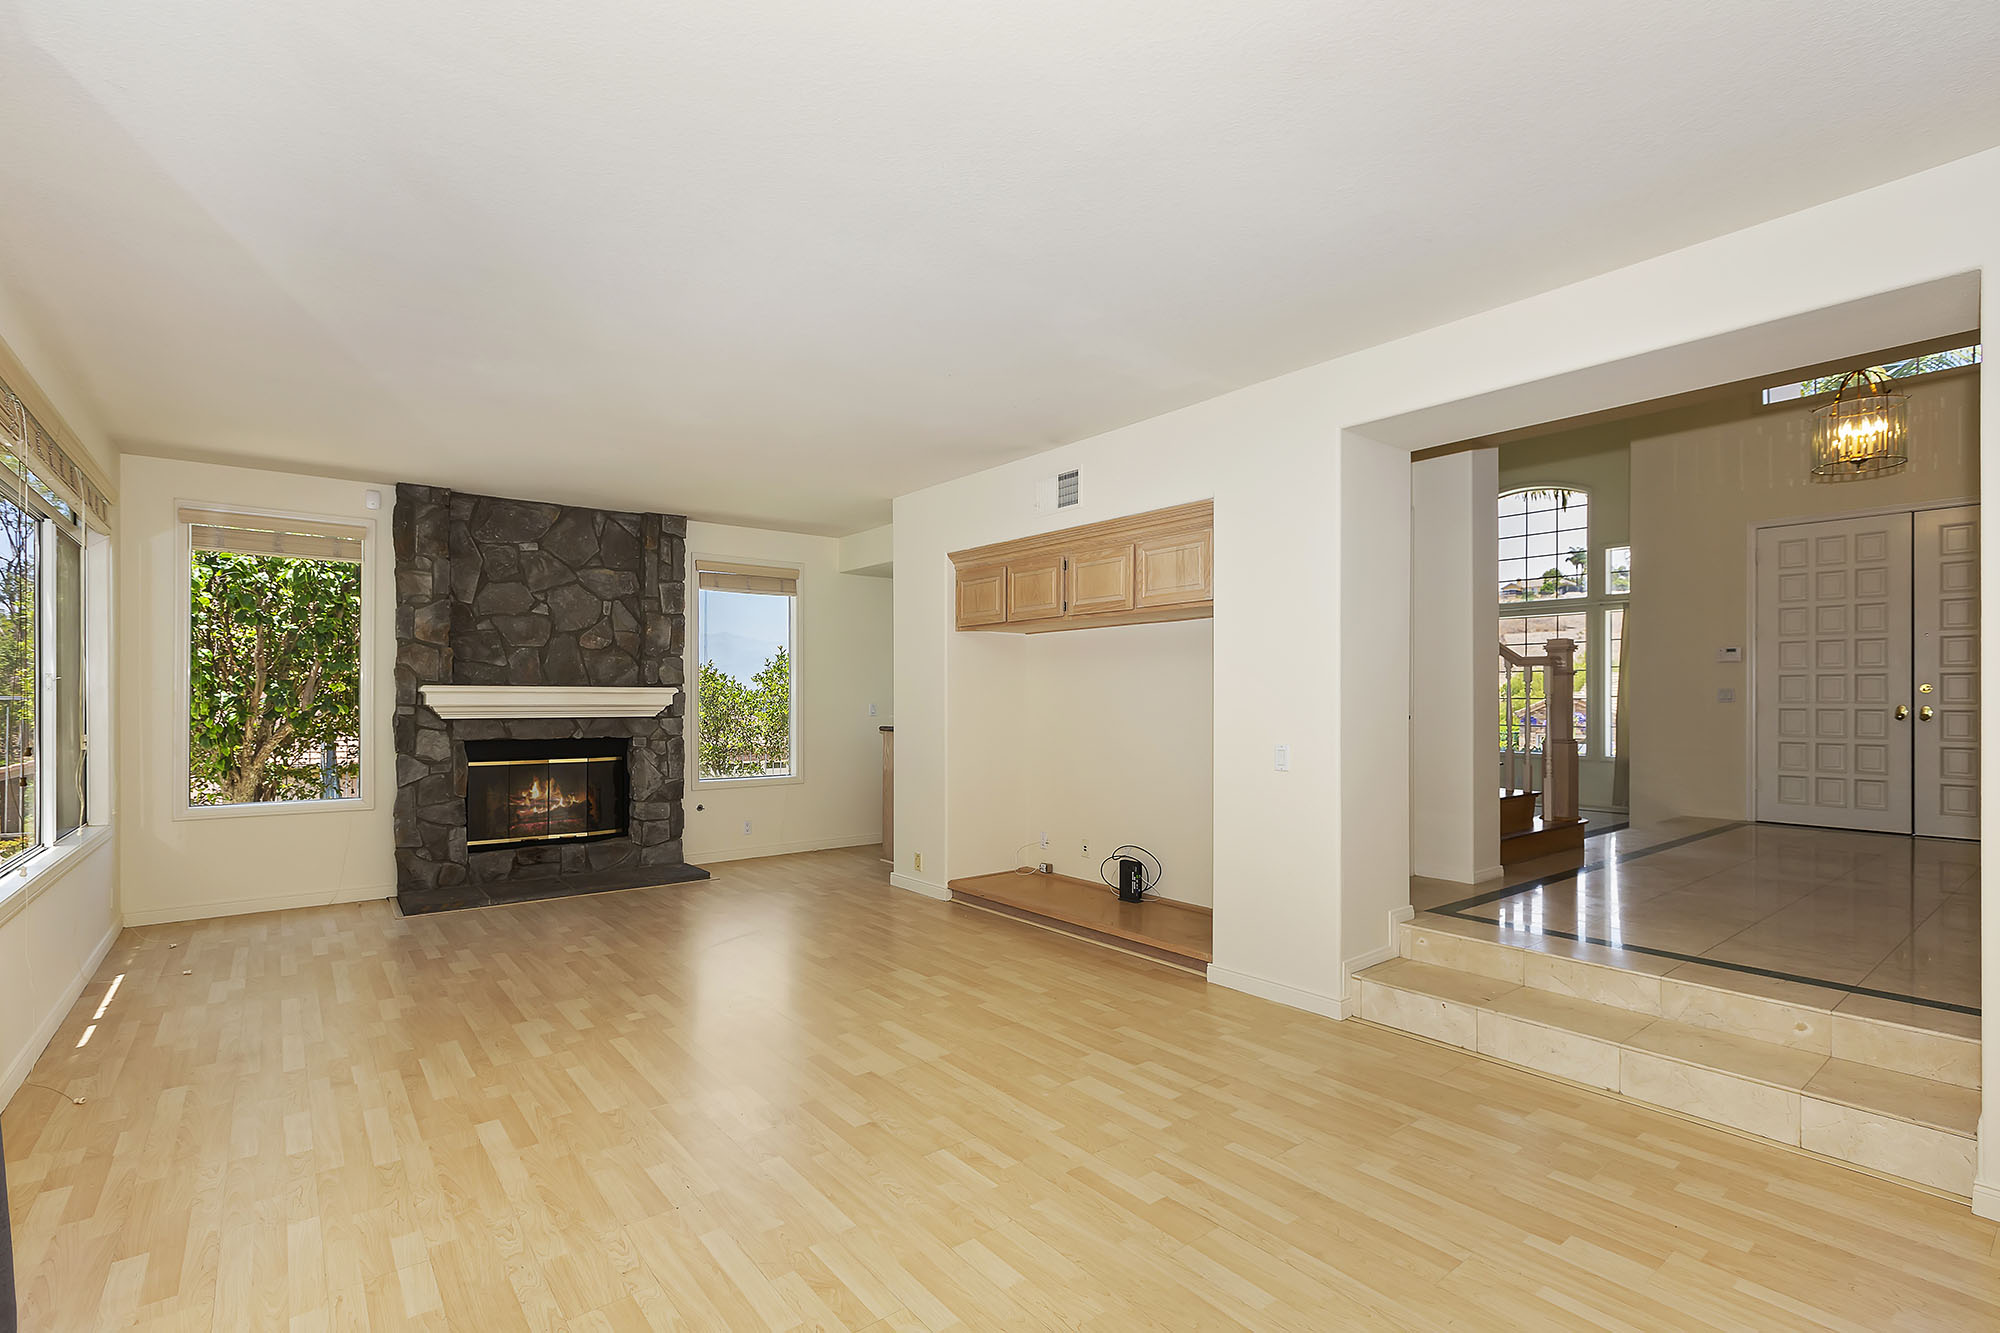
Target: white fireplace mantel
{"x": 456, "y": 701}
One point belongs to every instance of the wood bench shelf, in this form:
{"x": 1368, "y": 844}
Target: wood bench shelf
{"x": 1160, "y": 928}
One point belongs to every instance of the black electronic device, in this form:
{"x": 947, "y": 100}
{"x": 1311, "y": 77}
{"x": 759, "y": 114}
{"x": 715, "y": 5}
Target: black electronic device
{"x": 1131, "y": 879}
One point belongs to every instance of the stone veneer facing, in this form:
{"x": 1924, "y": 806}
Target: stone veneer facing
{"x": 508, "y": 592}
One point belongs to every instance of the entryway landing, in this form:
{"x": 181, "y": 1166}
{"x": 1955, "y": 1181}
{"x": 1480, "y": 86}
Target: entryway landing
{"x": 1873, "y": 925}
{"x": 1816, "y": 988}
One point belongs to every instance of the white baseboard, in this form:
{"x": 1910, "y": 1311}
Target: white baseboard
{"x": 1296, "y": 997}
{"x": 1485, "y": 873}
{"x": 1381, "y": 953}
{"x": 747, "y": 852}
{"x": 1986, "y": 1200}
{"x": 925, "y": 887}
{"x": 45, "y": 1031}
{"x": 281, "y": 902}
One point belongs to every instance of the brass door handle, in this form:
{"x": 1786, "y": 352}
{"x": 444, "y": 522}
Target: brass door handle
{"x": 1924, "y": 713}
{"x": 1902, "y": 711}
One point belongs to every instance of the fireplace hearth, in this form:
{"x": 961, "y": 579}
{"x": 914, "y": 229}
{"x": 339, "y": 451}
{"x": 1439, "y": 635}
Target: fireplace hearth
{"x": 520, "y": 793}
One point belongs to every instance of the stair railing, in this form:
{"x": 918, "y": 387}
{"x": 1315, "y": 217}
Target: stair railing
{"x": 1557, "y": 668}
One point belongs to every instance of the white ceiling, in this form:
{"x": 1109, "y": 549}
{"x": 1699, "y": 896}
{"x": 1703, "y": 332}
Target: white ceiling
{"x": 778, "y": 262}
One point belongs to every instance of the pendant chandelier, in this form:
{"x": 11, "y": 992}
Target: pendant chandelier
{"x": 1862, "y": 434}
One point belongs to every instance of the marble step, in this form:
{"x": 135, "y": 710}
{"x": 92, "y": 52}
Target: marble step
{"x": 1918, "y": 1129}
{"x": 1934, "y": 1045}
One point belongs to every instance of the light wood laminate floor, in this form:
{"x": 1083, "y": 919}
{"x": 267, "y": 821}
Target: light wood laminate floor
{"x": 793, "y": 1097}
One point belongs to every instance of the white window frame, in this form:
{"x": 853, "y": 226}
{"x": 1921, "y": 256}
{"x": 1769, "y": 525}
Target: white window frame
{"x": 182, "y": 806}
{"x": 691, "y": 674}
{"x": 1595, "y": 604}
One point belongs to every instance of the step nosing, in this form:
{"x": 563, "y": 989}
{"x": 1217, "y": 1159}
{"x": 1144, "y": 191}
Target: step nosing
{"x": 1527, "y": 948}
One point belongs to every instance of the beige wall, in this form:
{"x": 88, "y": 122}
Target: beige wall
{"x": 184, "y": 868}
{"x": 1700, "y": 481}
{"x": 1118, "y": 730}
{"x": 181, "y": 868}
{"x": 843, "y": 659}
{"x": 58, "y": 923}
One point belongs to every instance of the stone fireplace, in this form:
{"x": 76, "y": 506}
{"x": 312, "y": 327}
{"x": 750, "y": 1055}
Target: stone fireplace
{"x": 538, "y": 727}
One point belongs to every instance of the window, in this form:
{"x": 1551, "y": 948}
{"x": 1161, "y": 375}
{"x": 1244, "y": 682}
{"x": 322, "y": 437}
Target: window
{"x": 1614, "y": 624}
{"x": 746, "y": 619}
{"x": 1950, "y": 358}
{"x": 41, "y": 669}
{"x": 1529, "y": 704}
{"x": 274, "y": 659}
{"x": 1544, "y": 545}
{"x": 1617, "y": 570}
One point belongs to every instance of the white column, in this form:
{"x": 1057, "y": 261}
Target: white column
{"x": 1454, "y": 630}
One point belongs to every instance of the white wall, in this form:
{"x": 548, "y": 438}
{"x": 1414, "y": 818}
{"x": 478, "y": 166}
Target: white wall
{"x": 56, "y": 927}
{"x": 1873, "y": 269}
{"x": 843, "y": 665}
{"x": 1454, "y": 818}
{"x": 182, "y": 869}
{"x": 1700, "y": 481}
{"x": 1118, "y": 732}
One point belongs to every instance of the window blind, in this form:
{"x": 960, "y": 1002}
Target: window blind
{"x": 47, "y": 463}
{"x": 263, "y": 534}
{"x": 773, "y": 580}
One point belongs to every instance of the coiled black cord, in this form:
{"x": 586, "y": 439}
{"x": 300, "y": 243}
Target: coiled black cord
{"x": 1146, "y": 885}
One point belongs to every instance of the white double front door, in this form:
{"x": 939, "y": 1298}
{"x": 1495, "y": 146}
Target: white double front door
{"x": 1867, "y": 673}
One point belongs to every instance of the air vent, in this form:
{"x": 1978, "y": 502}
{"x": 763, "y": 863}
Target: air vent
{"x": 1066, "y": 489}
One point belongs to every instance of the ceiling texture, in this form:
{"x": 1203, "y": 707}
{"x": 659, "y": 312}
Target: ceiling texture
{"x": 779, "y": 262}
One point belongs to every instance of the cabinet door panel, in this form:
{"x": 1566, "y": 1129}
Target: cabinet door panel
{"x": 1100, "y": 580}
{"x": 1177, "y": 569}
{"x": 982, "y": 596}
{"x": 1035, "y": 589}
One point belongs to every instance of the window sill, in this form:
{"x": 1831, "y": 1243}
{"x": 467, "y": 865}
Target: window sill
{"x": 730, "y": 784}
{"x": 349, "y": 804}
{"x": 40, "y": 872}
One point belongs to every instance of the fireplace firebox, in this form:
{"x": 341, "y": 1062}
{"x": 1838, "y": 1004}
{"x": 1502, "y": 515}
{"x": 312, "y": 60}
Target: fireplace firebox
{"x": 521, "y": 793}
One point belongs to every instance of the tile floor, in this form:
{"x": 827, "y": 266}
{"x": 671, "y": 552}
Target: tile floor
{"x": 1858, "y": 922}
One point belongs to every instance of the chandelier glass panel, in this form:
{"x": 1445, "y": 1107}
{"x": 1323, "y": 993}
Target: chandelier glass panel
{"x": 1864, "y": 431}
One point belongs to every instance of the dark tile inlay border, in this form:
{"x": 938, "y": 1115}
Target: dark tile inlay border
{"x": 1460, "y": 911}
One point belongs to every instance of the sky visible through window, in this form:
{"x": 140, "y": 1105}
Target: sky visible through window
{"x": 740, "y": 632}
{"x": 1544, "y": 545}
{"x": 1950, "y": 358}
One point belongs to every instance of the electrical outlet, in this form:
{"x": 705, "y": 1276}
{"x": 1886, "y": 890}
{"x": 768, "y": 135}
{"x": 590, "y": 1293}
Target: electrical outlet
{"x": 1045, "y": 840}
{"x": 920, "y": 862}
{"x": 871, "y": 710}
{"x": 1086, "y": 849}
{"x": 746, "y": 828}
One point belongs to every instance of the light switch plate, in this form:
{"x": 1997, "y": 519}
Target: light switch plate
{"x": 1725, "y": 695}
{"x": 1281, "y": 758}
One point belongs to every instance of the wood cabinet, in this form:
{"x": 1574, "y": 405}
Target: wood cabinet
{"x": 1035, "y": 588}
{"x": 1101, "y": 580}
{"x": 1176, "y": 569}
{"x": 982, "y": 596}
{"x": 1124, "y": 571}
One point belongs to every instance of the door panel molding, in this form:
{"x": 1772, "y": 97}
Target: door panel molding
{"x": 1852, "y": 615}
{"x": 1832, "y": 669}
{"x": 1945, "y": 656}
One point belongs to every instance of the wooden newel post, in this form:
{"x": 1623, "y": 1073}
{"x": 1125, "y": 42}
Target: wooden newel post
{"x": 1559, "y": 778}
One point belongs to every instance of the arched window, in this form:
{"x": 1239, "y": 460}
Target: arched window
{"x": 1544, "y": 544}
